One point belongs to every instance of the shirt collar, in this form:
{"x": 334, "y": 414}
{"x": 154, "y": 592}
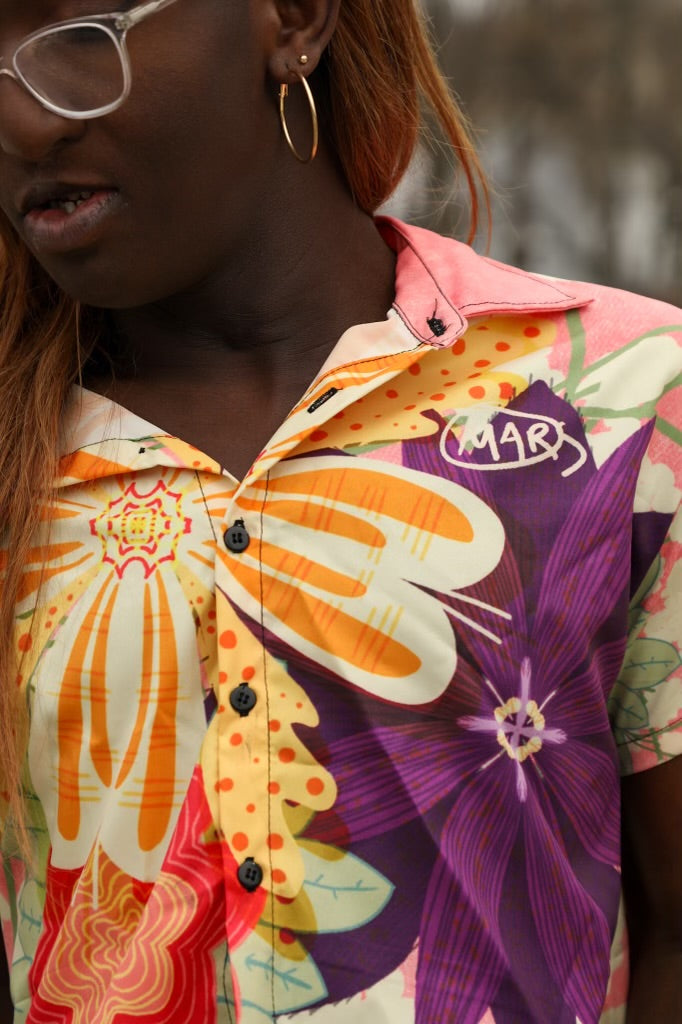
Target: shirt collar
{"x": 440, "y": 285}
{"x": 440, "y": 279}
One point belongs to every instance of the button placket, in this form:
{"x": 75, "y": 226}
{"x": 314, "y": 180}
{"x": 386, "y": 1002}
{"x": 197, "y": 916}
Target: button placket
{"x": 242, "y": 782}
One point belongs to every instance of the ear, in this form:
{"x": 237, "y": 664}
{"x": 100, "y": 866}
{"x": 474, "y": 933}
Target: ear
{"x": 301, "y": 27}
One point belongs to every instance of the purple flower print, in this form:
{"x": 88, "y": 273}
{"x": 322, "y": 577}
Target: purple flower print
{"x": 519, "y": 726}
{"x": 505, "y": 791}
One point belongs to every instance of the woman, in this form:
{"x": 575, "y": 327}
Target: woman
{"x": 313, "y": 617}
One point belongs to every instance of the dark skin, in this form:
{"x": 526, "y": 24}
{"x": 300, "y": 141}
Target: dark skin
{"x": 231, "y": 271}
{"x": 652, "y": 870}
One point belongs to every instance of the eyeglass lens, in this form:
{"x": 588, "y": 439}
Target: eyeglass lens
{"x": 77, "y": 68}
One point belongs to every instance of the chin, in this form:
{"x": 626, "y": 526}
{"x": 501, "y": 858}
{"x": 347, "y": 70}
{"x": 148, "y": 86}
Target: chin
{"x": 101, "y": 287}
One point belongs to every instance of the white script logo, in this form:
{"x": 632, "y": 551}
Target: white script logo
{"x": 513, "y": 439}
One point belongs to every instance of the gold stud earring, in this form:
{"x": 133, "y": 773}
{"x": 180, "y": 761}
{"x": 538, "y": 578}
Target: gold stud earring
{"x": 303, "y": 59}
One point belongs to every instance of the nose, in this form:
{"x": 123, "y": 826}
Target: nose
{"x": 28, "y": 130}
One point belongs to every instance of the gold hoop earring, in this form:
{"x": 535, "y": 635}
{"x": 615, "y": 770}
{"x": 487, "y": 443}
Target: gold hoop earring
{"x": 283, "y": 93}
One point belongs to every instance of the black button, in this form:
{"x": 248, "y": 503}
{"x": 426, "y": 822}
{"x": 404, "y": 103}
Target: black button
{"x": 243, "y": 699}
{"x": 236, "y": 537}
{"x": 250, "y": 874}
{"x": 437, "y": 326}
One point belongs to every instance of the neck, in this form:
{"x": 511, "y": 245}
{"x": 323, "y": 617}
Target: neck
{"x": 302, "y": 273}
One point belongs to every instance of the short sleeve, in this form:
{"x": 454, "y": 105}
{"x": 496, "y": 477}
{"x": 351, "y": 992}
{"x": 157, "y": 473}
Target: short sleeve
{"x": 646, "y": 703}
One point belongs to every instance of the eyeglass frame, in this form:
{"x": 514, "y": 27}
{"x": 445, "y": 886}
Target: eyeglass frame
{"x": 116, "y": 25}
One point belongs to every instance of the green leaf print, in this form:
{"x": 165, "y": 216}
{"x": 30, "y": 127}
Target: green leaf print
{"x": 345, "y": 892}
{"x": 648, "y": 662}
{"x": 584, "y": 384}
{"x": 291, "y": 984}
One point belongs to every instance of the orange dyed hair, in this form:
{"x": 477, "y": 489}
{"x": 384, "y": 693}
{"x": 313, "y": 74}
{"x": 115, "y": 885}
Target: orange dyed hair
{"x": 381, "y": 76}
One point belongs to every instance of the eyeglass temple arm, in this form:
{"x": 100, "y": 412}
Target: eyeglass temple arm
{"x": 140, "y": 13}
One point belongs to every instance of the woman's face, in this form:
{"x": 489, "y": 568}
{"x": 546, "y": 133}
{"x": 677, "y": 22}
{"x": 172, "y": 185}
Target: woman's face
{"x": 173, "y": 179}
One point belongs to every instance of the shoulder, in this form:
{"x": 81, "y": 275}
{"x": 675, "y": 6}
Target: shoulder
{"x": 614, "y": 318}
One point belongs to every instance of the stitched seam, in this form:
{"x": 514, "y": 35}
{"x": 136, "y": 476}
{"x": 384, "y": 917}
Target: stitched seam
{"x": 208, "y": 514}
{"x": 269, "y": 742}
{"x": 514, "y": 271}
{"x": 530, "y": 306}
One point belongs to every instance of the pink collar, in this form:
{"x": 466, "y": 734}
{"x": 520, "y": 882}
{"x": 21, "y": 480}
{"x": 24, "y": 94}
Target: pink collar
{"x": 444, "y": 283}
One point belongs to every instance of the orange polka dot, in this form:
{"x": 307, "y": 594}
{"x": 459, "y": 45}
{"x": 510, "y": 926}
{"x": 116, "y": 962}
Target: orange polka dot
{"x": 314, "y": 786}
{"x": 482, "y": 327}
{"x": 221, "y": 709}
{"x": 531, "y": 332}
{"x": 319, "y": 435}
{"x": 222, "y": 677}
{"x": 48, "y": 625}
{"x": 279, "y": 876}
{"x": 477, "y": 392}
{"x": 438, "y": 397}
{"x": 502, "y": 346}
{"x": 391, "y": 393}
{"x": 286, "y": 936}
{"x": 236, "y": 739}
{"x": 69, "y": 597}
{"x": 240, "y": 841}
{"x": 482, "y": 362}
{"x": 212, "y": 614}
{"x": 445, "y": 373}
{"x": 340, "y": 416}
{"x": 409, "y": 408}
{"x": 459, "y": 347}
{"x": 275, "y": 841}
{"x": 415, "y": 369}
{"x": 224, "y": 785}
{"x": 250, "y": 808}
{"x": 210, "y": 629}
{"x": 286, "y": 755}
{"x": 25, "y": 642}
{"x": 196, "y": 462}
{"x": 273, "y": 787}
{"x": 506, "y": 390}
{"x": 200, "y": 600}
{"x": 228, "y": 639}
{"x": 52, "y": 611}
{"x": 275, "y": 726}
{"x": 413, "y": 427}
{"x": 248, "y": 672}
{"x": 356, "y": 426}
{"x": 299, "y": 705}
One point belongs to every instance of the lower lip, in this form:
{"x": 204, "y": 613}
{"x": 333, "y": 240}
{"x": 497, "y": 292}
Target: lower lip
{"x": 49, "y": 232}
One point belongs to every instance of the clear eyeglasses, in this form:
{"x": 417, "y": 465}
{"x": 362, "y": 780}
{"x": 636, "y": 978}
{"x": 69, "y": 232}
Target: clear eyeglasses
{"x": 80, "y": 68}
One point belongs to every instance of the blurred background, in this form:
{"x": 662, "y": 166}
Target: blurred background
{"x": 577, "y": 107}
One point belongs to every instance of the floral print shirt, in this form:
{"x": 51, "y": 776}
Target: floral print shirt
{"x": 346, "y": 734}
